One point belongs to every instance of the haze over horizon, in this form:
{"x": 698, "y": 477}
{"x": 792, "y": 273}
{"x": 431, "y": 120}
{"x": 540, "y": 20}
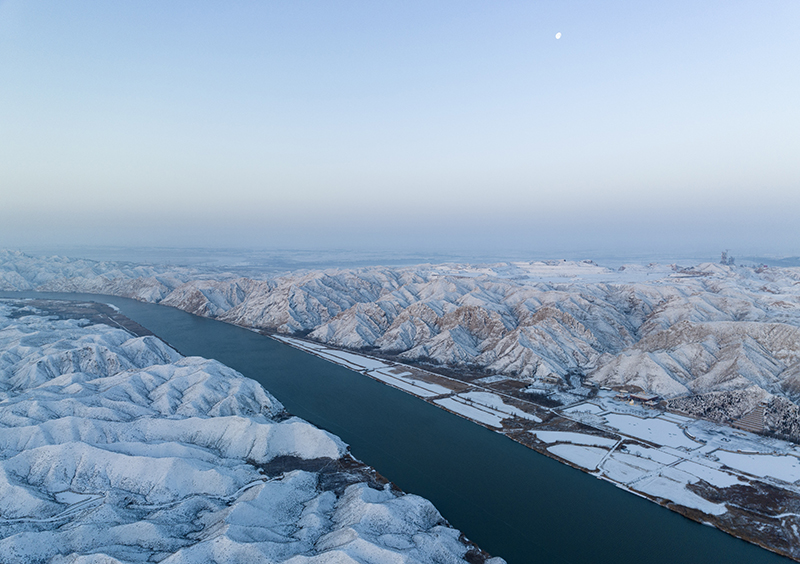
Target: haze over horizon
{"x": 445, "y": 127}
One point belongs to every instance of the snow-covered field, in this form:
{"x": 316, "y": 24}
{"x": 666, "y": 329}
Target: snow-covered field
{"x": 496, "y": 404}
{"x": 473, "y": 412}
{"x": 405, "y": 381}
{"x": 671, "y": 485}
{"x": 687, "y": 451}
{"x": 116, "y": 449}
{"x": 784, "y": 467}
{"x": 573, "y": 438}
{"x": 586, "y": 407}
{"x": 654, "y": 429}
{"x": 584, "y": 456}
{"x": 713, "y": 476}
{"x": 360, "y": 361}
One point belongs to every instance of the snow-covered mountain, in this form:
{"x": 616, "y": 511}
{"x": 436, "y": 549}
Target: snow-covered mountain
{"x": 672, "y": 330}
{"x": 116, "y": 449}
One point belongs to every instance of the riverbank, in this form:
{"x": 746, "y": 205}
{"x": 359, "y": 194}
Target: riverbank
{"x": 741, "y": 483}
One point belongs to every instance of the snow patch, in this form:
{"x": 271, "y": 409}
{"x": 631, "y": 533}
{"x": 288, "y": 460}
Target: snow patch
{"x": 584, "y": 456}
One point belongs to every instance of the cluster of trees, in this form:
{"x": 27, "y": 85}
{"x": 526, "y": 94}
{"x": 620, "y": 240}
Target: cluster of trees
{"x": 783, "y": 419}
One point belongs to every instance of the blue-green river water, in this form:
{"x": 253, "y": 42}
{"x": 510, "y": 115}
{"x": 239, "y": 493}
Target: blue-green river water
{"x": 512, "y": 501}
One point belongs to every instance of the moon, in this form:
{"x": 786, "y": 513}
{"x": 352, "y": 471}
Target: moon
{"x": 558, "y": 35}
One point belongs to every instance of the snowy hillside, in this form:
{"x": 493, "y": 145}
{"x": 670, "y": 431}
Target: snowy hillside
{"x": 675, "y": 331}
{"x": 116, "y": 449}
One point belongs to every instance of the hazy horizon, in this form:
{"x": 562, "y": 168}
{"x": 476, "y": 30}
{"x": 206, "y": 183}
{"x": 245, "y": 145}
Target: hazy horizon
{"x": 447, "y": 128}
{"x": 260, "y": 261}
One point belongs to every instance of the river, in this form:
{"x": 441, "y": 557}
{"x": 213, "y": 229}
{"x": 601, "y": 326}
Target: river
{"x": 512, "y": 501}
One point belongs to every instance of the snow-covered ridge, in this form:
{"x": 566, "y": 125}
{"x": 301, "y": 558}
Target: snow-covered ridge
{"x": 116, "y": 449}
{"x": 672, "y": 330}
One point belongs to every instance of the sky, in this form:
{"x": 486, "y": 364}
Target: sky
{"x": 414, "y": 126}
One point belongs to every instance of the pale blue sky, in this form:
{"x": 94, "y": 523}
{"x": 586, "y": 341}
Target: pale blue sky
{"x": 397, "y": 124}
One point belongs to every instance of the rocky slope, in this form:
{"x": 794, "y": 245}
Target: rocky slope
{"x": 116, "y": 449}
{"x": 675, "y": 331}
